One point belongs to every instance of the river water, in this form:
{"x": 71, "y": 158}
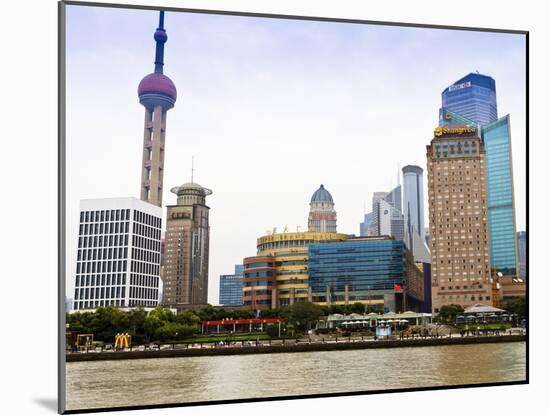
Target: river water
{"x": 204, "y": 378}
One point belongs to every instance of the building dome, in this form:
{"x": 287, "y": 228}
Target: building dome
{"x": 157, "y": 89}
{"x": 190, "y": 188}
{"x": 321, "y": 195}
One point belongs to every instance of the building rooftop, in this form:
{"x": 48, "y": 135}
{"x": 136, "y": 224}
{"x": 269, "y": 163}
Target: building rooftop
{"x": 476, "y": 79}
{"x": 481, "y": 308}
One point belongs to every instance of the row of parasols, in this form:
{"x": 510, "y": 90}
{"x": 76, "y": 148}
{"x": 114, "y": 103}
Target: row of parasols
{"x": 352, "y": 323}
{"x": 485, "y": 316}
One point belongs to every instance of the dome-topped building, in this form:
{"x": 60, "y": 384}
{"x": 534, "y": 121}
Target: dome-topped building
{"x": 187, "y": 247}
{"x": 322, "y": 216}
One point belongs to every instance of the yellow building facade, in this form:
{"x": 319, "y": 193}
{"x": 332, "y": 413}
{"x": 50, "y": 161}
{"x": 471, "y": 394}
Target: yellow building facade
{"x": 290, "y": 253}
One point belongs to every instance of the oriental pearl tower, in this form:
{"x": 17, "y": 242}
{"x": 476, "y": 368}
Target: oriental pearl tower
{"x": 157, "y": 93}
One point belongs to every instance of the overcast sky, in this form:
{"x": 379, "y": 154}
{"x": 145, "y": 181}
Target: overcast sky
{"x": 270, "y": 109}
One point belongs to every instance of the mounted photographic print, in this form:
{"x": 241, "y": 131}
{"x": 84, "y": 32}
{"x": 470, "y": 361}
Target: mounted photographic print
{"x": 259, "y": 207}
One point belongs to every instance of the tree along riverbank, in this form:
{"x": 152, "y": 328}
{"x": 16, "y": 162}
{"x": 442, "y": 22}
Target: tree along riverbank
{"x": 290, "y": 347}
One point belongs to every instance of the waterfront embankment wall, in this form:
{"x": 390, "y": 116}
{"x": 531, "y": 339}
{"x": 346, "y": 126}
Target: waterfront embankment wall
{"x": 291, "y": 348}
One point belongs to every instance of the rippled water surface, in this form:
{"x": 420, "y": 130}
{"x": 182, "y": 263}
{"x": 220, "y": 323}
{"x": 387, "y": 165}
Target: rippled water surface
{"x": 204, "y": 378}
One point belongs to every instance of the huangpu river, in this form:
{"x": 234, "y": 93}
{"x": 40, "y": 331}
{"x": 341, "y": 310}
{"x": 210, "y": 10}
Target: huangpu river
{"x": 191, "y": 379}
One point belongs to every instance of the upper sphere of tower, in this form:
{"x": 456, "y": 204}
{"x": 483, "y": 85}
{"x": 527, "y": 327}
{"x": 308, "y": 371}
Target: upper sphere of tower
{"x": 157, "y": 89}
{"x": 161, "y": 36}
{"x": 321, "y": 195}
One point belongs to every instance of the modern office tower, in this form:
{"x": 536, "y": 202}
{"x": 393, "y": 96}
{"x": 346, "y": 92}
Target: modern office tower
{"x": 157, "y": 93}
{"x": 394, "y": 198}
{"x": 458, "y": 209}
{"x": 118, "y": 259}
{"x": 374, "y": 227}
{"x": 322, "y": 216}
{"x": 413, "y": 198}
{"x": 522, "y": 254}
{"x": 500, "y": 188}
{"x": 387, "y": 218}
{"x": 473, "y": 97}
{"x": 187, "y": 245}
{"x": 231, "y": 290}
{"x": 500, "y": 196}
{"x": 278, "y": 275}
{"x": 364, "y": 226}
{"x": 390, "y": 220}
{"x": 370, "y": 270}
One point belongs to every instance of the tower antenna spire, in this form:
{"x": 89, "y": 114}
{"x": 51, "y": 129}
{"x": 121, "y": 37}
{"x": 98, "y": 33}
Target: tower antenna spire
{"x": 160, "y": 37}
{"x": 192, "y": 168}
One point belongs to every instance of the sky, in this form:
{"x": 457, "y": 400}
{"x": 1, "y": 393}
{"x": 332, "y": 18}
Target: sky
{"x": 270, "y": 109}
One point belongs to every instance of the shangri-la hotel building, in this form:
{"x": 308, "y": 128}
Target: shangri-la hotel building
{"x": 457, "y": 193}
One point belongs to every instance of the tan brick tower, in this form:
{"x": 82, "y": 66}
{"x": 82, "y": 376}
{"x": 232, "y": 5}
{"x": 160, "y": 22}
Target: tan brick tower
{"x": 185, "y": 280}
{"x": 459, "y": 230}
{"x": 157, "y": 93}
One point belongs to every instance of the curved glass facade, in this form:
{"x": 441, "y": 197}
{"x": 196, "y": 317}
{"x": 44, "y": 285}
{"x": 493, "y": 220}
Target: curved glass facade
{"x": 500, "y": 195}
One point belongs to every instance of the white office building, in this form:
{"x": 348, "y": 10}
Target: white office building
{"x": 118, "y": 256}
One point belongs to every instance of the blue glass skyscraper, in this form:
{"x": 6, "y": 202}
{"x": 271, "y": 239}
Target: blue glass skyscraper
{"x": 472, "y": 101}
{"x": 473, "y": 97}
{"x": 500, "y": 195}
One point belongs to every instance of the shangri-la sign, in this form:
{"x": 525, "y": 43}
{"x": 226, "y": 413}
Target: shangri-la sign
{"x": 439, "y": 131}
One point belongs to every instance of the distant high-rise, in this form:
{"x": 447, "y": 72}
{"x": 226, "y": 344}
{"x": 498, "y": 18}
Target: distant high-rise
{"x": 390, "y": 220}
{"x": 387, "y": 218}
{"x": 472, "y": 96}
{"x": 413, "y": 198}
{"x": 118, "y": 258}
{"x": 374, "y": 227}
{"x": 459, "y": 231}
{"x": 322, "y": 216}
{"x": 157, "y": 93}
{"x": 393, "y": 197}
{"x": 522, "y": 254}
{"x": 231, "y": 288}
{"x": 364, "y": 226}
{"x": 187, "y": 246}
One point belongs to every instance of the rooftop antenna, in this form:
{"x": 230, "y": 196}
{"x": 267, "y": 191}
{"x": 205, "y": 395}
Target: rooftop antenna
{"x": 192, "y": 168}
{"x": 398, "y": 176}
{"x": 160, "y": 38}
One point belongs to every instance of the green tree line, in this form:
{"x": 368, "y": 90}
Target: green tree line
{"x": 162, "y": 325}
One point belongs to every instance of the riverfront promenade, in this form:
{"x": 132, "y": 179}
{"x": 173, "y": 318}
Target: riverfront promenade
{"x": 288, "y": 346}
